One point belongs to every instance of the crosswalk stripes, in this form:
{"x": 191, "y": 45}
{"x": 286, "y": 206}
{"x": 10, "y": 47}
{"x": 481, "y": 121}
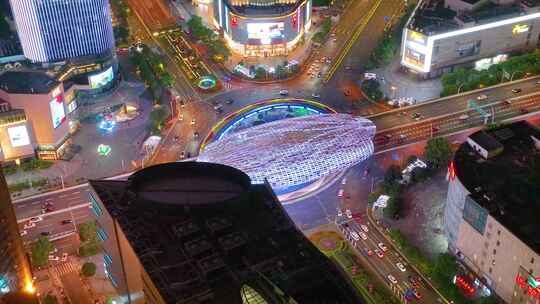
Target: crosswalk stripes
{"x": 65, "y": 268}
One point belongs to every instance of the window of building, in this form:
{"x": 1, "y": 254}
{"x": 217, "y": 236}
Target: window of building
{"x": 494, "y": 251}
{"x": 490, "y": 270}
{"x": 498, "y": 243}
{"x": 492, "y": 262}
{"x": 532, "y": 260}
{"x": 498, "y": 232}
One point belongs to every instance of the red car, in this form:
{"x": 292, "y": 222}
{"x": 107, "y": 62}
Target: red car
{"x": 368, "y": 251}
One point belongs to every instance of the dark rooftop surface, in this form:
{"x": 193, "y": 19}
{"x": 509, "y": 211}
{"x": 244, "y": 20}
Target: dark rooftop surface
{"x": 485, "y": 140}
{"x": 214, "y": 248}
{"x": 507, "y": 185}
{"x": 274, "y": 10}
{"x": 433, "y": 17}
{"x": 26, "y": 82}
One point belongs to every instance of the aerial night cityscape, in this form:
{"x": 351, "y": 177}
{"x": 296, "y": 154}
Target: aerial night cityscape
{"x": 269, "y": 151}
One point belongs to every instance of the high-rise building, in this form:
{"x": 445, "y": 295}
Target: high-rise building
{"x": 492, "y": 207}
{"x": 195, "y": 232}
{"x": 14, "y": 267}
{"x": 52, "y": 30}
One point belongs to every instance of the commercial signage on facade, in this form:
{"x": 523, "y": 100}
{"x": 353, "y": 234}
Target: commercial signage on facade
{"x": 530, "y": 285}
{"x": 58, "y": 115}
{"x": 520, "y": 28}
{"x": 18, "y": 136}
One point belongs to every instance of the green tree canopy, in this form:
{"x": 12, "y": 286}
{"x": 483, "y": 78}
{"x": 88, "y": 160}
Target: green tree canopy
{"x": 438, "y": 151}
{"x": 88, "y": 269}
{"x": 87, "y": 231}
{"x": 40, "y": 251}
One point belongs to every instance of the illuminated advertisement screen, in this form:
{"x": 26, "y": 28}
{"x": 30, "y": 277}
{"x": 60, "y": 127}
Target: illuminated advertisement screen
{"x": 58, "y": 114}
{"x": 266, "y": 32}
{"x": 101, "y": 79}
{"x": 18, "y": 136}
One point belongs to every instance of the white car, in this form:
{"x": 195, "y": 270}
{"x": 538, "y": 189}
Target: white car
{"x": 24, "y": 232}
{"x": 53, "y": 258}
{"x": 348, "y": 213}
{"x": 35, "y": 219}
{"x": 193, "y": 121}
{"x": 383, "y": 247}
{"x": 464, "y": 117}
{"x": 401, "y": 267}
{"x": 392, "y": 279}
{"x": 355, "y": 236}
{"x": 481, "y": 97}
{"x": 283, "y": 92}
{"x": 339, "y": 213}
{"x": 364, "y": 227}
{"x": 340, "y": 193}
{"x": 344, "y": 181}
{"x": 181, "y": 117}
{"x": 363, "y": 236}
{"x": 29, "y": 225}
{"x": 315, "y": 95}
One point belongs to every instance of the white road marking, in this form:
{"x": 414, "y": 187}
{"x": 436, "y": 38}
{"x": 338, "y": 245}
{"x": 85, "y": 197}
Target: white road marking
{"x": 84, "y": 205}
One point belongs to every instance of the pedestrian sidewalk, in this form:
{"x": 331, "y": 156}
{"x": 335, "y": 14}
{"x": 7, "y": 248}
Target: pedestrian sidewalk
{"x": 396, "y": 83}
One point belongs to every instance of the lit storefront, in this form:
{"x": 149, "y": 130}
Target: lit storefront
{"x": 262, "y": 28}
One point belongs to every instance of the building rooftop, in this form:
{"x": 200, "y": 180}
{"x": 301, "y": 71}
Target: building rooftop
{"x": 486, "y": 141}
{"x": 507, "y": 185}
{"x": 27, "y": 82}
{"x": 219, "y": 239}
{"x": 435, "y": 16}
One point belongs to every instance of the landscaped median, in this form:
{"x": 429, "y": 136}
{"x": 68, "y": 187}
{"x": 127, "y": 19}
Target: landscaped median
{"x": 336, "y": 248}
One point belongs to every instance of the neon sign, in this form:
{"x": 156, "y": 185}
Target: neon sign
{"x": 530, "y": 285}
{"x": 464, "y": 285}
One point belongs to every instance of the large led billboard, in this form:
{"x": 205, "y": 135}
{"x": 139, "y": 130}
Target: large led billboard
{"x": 58, "y": 114}
{"x": 101, "y": 79}
{"x": 18, "y": 136}
{"x": 267, "y": 33}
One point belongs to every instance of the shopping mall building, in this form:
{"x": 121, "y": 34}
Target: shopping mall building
{"x": 492, "y": 208}
{"x": 261, "y": 28}
{"x": 34, "y": 115}
{"x": 442, "y": 35}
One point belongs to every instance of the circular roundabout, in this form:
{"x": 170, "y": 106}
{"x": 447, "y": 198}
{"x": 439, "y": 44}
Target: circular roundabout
{"x": 299, "y": 147}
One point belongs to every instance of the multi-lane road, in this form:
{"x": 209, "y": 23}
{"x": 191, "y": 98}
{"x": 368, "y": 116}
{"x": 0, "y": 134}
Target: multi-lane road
{"x": 386, "y": 264}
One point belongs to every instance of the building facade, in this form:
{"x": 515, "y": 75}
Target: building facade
{"x": 51, "y": 30}
{"x": 34, "y": 110}
{"x": 490, "y": 217}
{"x": 220, "y": 239}
{"x": 14, "y": 267}
{"x": 442, "y": 35}
{"x": 256, "y": 28}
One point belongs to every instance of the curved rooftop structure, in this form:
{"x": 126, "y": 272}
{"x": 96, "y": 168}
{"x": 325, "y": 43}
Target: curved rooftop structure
{"x": 295, "y": 151}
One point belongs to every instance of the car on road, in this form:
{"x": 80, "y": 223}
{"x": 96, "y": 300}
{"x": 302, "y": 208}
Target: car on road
{"x": 65, "y": 222}
{"x": 64, "y": 257}
{"x": 435, "y": 129}
{"x": 45, "y": 233}
{"x": 482, "y": 97}
{"x": 182, "y": 155}
{"x": 193, "y": 121}
{"x": 181, "y": 117}
{"x": 47, "y": 209}
{"x": 29, "y": 225}
{"x": 401, "y": 267}
{"x": 402, "y": 136}
{"x": 382, "y": 246}
{"x": 347, "y": 93}
{"x": 507, "y": 102}
{"x": 54, "y": 257}
{"x": 362, "y": 235}
{"x": 229, "y": 101}
{"x": 355, "y": 236}
{"x": 195, "y": 134}
{"x": 392, "y": 279}
{"x": 516, "y": 90}
{"x": 417, "y": 294}
{"x": 218, "y": 108}
{"x": 283, "y": 92}
{"x": 35, "y": 219}
{"x": 24, "y": 232}
{"x": 463, "y": 117}
{"x": 415, "y": 281}
{"x": 364, "y": 227}
{"x": 368, "y": 251}
{"x": 379, "y": 253}
{"x": 344, "y": 181}
{"x": 416, "y": 116}
{"x": 339, "y": 213}
{"x": 523, "y": 111}
{"x": 340, "y": 193}
{"x": 348, "y": 213}
{"x": 315, "y": 95}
